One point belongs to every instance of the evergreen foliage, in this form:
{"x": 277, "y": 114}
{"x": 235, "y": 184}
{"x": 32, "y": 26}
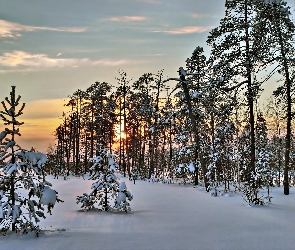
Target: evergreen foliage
{"x": 212, "y": 112}
{"x": 107, "y": 192}
{"x": 24, "y": 191}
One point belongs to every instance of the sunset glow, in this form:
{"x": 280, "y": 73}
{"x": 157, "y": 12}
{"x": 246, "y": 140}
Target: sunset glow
{"x": 119, "y": 134}
{"x": 40, "y": 121}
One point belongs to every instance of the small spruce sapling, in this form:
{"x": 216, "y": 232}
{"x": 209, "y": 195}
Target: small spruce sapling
{"x": 106, "y": 187}
{"x": 24, "y": 190}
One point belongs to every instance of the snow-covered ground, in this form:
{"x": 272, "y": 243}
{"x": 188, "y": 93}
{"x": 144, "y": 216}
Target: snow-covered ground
{"x": 164, "y": 216}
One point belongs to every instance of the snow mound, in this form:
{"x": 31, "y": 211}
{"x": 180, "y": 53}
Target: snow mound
{"x": 121, "y": 198}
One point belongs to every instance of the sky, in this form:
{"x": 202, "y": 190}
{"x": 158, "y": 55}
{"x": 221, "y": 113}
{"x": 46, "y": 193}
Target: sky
{"x": 50, "y": 49}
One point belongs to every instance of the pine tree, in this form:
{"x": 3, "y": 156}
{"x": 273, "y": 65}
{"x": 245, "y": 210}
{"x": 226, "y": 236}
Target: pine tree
{"x": 196, "y": 64}
{"x": 183, "y": 161}
{"x": 263, "y": 164}
{"x": 21, "y": 169}
{"x": 239, "y": 51}
{"x": 277, "y": 17}
{"x": 106, "y": 189}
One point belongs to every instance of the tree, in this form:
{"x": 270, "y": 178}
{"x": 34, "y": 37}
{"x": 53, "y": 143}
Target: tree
{"x": 274, "y": 112}
{"x": 237, "y": 52}
{"x": 21, "y": 211}
{"x": 183, "y": 83}
{"x": 106, "y": 187}
{"x": 197, "y": 64}
{"x": 276, "y": 15}
{"x": 123, "y": 92}
{"x": 263, "y": 164}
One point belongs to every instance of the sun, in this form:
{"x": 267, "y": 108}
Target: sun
{"x": 119, "y": 134}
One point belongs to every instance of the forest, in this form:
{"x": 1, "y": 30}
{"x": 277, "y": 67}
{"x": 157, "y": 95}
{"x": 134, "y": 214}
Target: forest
{"x": 204, "y": 127}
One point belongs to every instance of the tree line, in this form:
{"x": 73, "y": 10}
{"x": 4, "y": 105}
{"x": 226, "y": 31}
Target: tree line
{"x": 209, "y": 127}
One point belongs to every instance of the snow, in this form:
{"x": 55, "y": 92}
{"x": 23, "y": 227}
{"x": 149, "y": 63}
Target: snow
{"x": 12, "y": 168}
{"x": 9, "y": 144}
{"x": 111, "y": 161}
{"x": 122, "y": 186}
{"x": 1, "y": 211}
{"x": 48, "y": 196}
{"x": 15, "y": 213}
{"x": 191, "y": 167}
{"x": 163, "y": 216}
{"x": 3, "y": 134}
{"x": 36, "y": 158}
{"x": 121, "y": 197}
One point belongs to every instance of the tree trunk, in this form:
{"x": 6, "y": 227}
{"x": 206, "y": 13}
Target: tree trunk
{"x": 250, "y": 96}
{"x": 289, "y": 110}
{"x": 12, "y": 189}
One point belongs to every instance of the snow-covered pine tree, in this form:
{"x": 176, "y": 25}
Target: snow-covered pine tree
{"x": 243, "y": 157}
{"x": 276, "y": 143}
{"x": 263, "y": 164}
{"x": 221, "y": 168}
{"x": 281, "y": 29}
{"x": 261, "y": 177}
{"x": 106, "y": 187}
{"x": 238, "y": 47}
{"x": 185, "y": 98}
{"x": 197, "y": 64}
{"x": 169, "y": 126}
{"x": 24, "y": 190}
{"x": 184, "y": 166}
{"x": 135, "y": 175}
{"x": 123, "y": 92}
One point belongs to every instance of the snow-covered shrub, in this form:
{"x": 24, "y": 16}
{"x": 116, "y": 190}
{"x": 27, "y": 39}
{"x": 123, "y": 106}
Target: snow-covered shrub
{"x": 106, "y": 187}
{"x": 24, "y": 191}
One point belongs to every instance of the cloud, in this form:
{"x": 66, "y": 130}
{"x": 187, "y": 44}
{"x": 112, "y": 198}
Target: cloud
{"x": 21, "y": 58}
{"x": 111, "y": 62}
{"x": 18, "y": 59}
{"x": 127, "y": 18}
{"x": 188, "y": 30}
{"x": 196, "y": 15}
{"x": 13, "y": 30}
